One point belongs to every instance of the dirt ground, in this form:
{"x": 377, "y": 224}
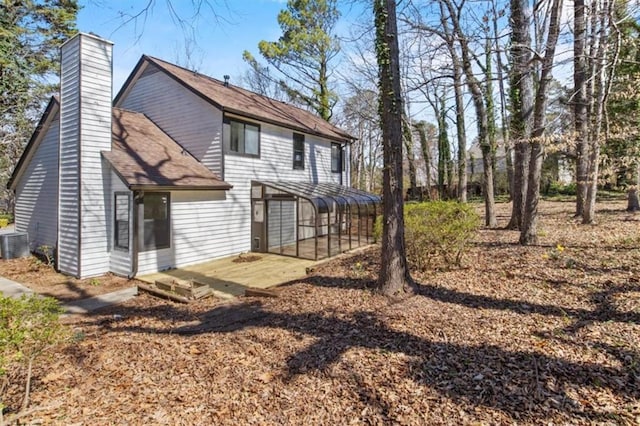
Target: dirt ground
{"x": 34, "y": 273}
{"x": 519, "y": 335}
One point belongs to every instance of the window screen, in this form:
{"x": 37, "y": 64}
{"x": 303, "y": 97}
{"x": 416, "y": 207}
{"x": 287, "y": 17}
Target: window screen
{"x": 121, "y": 226}
{"x": 298, "y": 151}
{"x": 244, "y": 138}
{"x": 336, "y": 158}
{"x": 156, "y": 220}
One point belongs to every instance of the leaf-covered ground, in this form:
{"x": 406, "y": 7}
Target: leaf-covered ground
{"x": 43, "y": 279}
{"x": 519, "y": 335}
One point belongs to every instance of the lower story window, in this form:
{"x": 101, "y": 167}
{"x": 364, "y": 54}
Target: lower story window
{"x": 156, "y": 233}
{"x": 121, "y": 225}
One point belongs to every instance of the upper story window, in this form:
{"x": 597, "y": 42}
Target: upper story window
{"x": 336, "y": 158}
{"x": 298, "y": 151}
{"x": 244, "y": 138}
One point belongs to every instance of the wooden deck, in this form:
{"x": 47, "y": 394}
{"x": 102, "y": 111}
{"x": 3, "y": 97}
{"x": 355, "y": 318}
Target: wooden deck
{"x": 229, "y": 279}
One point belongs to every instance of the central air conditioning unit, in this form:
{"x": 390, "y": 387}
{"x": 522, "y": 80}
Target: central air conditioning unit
{"x": 14, "y": 245}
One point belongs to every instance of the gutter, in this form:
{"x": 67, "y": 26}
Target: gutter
{"x": 137, "y": 198}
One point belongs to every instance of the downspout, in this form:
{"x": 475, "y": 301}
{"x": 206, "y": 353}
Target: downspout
{"x": 137, "y": 199}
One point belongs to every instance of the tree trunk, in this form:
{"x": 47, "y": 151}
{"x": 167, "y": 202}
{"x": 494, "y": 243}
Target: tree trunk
{"x": 461, "y": 133}
{"x": 490, "y": 107}
{"x": 426, "y": 156}
{"x": 503, "y": 104}
{"x": 521, "y": 98}
{"x": 633, "y": 204}
{"x": 362, "y": 176}
{"x": 602, "y": 83}
{"x": 488, "y": 189}
{"x": 443, "y": 149}
{"x": 481, "y": 113}
{"x": 407, "y": 137}
{"x": 394, "y": 280}
{"x": 460, "y": 125}
{"x": 528, "y": 231}
{"x": 580, "y": 104}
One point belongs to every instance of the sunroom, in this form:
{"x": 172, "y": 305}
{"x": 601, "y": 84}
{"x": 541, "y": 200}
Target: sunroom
{"x": 310, "y": 220}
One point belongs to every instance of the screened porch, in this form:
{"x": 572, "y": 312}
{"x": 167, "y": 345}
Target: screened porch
{"x": 311, "y": 221}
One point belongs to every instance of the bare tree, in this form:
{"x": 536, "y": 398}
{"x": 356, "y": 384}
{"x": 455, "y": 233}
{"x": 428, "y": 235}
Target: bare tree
{"x": 601, "y": 71}
{"x": 528, "y": 231}
{"x": 461, "y": 133}
{"x": 426, "y": 131}
{"x": 258, "y": 79}
{"x": 521, "y": 99}
{"x": 580, "y": 103}
{"x": 500, "y": 68}
{"x": 361, "y": 118}
{"x": 452, "y": 12}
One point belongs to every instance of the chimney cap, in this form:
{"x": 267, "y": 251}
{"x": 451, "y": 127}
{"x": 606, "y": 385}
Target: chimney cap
{"x": 90, "y": 35}
{"x": 226, "y": 80}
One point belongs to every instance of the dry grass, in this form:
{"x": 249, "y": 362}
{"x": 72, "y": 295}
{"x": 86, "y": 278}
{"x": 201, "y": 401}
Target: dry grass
{"x": 526, "y": 335}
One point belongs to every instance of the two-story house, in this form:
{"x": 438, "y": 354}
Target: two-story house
{"x": 180, "y": 168}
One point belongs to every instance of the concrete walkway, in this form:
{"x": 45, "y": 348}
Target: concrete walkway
{"x": 92, "y": 303}
{"x": 13, "y": 289}
{"x": 16, "y": 290}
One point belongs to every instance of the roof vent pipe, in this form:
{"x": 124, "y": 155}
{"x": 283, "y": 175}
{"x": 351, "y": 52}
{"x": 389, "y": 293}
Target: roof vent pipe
{"x": 226, "y": 80}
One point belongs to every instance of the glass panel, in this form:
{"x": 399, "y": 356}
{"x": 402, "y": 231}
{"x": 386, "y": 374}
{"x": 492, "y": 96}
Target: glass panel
{"x": 306, "y": 229}
{"x": 336, "y": 160}
{"x": 298, "y": 151}
{"x": 237, "y": 137}
{"x": 252, "y": 139}
{"x": 274, "y": 231}
{"x": 156, "y": 220}
{"x": 282, "y": 227}
{"x": 288, "y": 227}
{"x": 121, "y": 231}
{"x": 258, "y": 211}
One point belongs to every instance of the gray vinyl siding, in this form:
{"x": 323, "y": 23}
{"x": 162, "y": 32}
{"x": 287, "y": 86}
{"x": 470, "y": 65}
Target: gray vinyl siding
{"x": 275, "y": 163}
{"x": 207, "y": 225}
{"x": 36, "y": 206}
{"x": 96, "y": 137}
{"x": 85, "y": 121}
{"x": 69, "y": 164}
{"x": 199, "y": 231}
{"x": 192, "y": 122}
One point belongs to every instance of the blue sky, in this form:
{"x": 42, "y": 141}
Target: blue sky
{"x": 220, "y": 43}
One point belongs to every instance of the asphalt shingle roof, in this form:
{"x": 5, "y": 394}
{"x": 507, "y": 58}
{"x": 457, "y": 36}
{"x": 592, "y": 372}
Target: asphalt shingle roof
{"x": 252, "y": 105}
{"x": 143, "y": 155}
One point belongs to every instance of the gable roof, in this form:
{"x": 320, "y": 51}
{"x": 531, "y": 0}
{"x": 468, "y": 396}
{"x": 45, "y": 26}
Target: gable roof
{"x": 144, "y": 156}
{"x": 36, "y": 137}
{"x": 242, "y": 102}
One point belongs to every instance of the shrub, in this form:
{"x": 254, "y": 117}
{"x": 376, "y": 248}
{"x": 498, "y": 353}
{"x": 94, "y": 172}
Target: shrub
{"x": 29, "y": 327}
{"x": 436, "y": 229}
{"x": 4, "y": 222}
{"x": 47, "y": 255}
{"x": 557, "y": 188}
{"x": 7, "y": 216}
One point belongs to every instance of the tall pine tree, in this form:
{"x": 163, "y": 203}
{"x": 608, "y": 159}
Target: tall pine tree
{"x": 303, "y": 53}
{"x": 31, "y": 31}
